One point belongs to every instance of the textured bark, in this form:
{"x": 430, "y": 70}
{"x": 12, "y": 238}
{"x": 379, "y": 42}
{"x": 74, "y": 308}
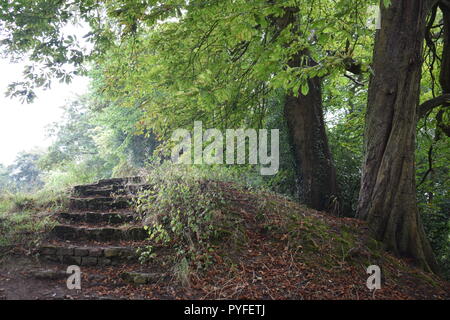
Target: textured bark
{"x": 445, "y": 65}
{"x": 444, "y": 78}
{"x": 388, "y": 192}
{"x": 304, "y": 116}
{"x": 315, "y": 168}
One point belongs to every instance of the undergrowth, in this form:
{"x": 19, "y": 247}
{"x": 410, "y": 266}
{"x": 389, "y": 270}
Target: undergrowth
{"x": 44, "y": 200}
{"x": 201, "y": 218}
{"x": 24, "y": 229}
{"x": 25, "y": 218}
{"x": 185, "y": 211}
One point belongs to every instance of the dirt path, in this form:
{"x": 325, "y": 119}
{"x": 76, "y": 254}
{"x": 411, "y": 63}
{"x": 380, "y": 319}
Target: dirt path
{"x": 18, "y": 283}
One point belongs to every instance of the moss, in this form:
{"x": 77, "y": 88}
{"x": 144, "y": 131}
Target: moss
{"x": 375, "y": 247}
{"x": 347, "y": 240}
{"x": 233, "y": 235}
{"x": 428, "y": 279}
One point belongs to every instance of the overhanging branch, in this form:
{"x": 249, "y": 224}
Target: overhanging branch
{"x": 429, "y": 105}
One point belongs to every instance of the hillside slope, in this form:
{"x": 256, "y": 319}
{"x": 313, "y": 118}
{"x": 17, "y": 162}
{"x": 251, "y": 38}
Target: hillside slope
{"x": 261, "y": 246}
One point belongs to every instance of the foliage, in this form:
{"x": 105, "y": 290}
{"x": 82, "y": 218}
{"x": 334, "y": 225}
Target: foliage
{"x": 285, "y": 180}
{"x": 433, "y": 180}
{"x": 25, "y": 174}
{"x": 239, "y": 38}
{"x": 184, "y": 211}
{"x": 345, "y": 102}
{"x": 158, "y": 66}
{"x": 95, "y": 140}
{"x": 24, "y": 228}
{"x": 5, "y": 179}
{"x": 49, "y": 200}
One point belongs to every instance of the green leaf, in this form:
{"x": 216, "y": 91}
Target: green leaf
{"x": 305, "y": 89}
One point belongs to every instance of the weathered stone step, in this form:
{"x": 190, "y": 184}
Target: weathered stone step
{"x": 121, "y": 181}
{"x": 99, "y": 203}
{"x": 109, "y": 184}
{"x": 96, "y": 190}
{"x": 98, "y": 217}
{"x": 87, "y": 256}
{"x": 91, "y": 191}
{"x": 49, "y": 274}
{"x": 68, "y": 232}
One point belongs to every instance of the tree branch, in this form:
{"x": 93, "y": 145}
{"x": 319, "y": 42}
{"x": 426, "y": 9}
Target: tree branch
{"x": 430, "y": 166}
{"x": 440, "y": 123}
{"x": 354, "y": 80}
{"x": 429, "y": 105}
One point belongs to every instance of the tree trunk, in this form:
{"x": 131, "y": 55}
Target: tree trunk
{"x": 315, "y": 168}
{"x": 445, "y": 64}
{"x": 444, "y": 78}
{"x": 388, "y": 192}
{"x": 316, "y": 175}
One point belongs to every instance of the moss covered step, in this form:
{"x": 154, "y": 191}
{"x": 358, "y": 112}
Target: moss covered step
{"x": 99, "y": 203}
{"x": 107, "y": 185}
{"x": 108, "y": 191}
{"x": 98, "y": 217}
{"x": 67, "y": 232}
{"x": 92, "y": 191}
{"x": 87, "y": 256}
{"x": 120, "y": 181}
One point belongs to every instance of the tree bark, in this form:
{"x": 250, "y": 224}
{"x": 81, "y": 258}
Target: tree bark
{"x": 314, "y": 163}
{"x": 444, "y": 77}
{"x": 388, "y": 192}
{"x": 445, "y": 64}
{"x": 316, "y": 174}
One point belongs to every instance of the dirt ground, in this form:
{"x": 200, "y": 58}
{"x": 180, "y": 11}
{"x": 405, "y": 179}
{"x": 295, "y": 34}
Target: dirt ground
{"x": 18, "y": 283}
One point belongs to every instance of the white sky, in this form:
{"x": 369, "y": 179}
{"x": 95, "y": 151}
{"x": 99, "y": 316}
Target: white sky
{"x": 23, "y": 126}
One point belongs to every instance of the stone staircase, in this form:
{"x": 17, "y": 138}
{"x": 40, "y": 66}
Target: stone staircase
{"x": 99, "y": 229}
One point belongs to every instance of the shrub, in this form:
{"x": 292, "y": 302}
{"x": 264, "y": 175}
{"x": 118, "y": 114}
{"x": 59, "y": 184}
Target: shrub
{"x": 185, "y": 210}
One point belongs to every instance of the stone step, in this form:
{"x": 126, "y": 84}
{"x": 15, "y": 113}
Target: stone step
{"x": 98, "y": 217}
{"x": 110, "y": 183}
{"x": 121, "y": 181}
{"x": 99, "y": 203}
{"x": 108, "y": 191}
{"x": 49, "y": 274}
{"x": 68, "y": 232}
{"x": 92, "y": 191}
{"x": 87, "y": 256}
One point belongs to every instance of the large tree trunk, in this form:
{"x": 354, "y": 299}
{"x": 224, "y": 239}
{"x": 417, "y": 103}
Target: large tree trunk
{"x": 304, "y": 116}
{"x": 445, "y": 64}
{"x": 388, "y": 193}
{"x": 315, "y": 168}
{"x": 444, "y": 78}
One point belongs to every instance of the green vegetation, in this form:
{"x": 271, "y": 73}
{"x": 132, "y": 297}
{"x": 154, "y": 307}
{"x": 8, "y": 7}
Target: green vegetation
{"x": 306, "y": 68}
{"x": 187, "y": 208}
{"x": 24, "y": 229}
{"x": 202, "y": 217}
{"x": 26, "y": 218}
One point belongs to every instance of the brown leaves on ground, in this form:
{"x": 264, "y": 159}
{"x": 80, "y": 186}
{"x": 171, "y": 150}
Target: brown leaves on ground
{"x": 286, "y": 252}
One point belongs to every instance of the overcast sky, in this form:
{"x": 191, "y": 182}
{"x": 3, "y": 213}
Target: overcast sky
{"x": 23, "y": 126}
